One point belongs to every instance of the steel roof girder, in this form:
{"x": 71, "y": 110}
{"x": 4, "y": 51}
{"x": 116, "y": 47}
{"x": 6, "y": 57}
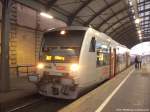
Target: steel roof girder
{"x": 121, "y": 19}
{"x": 121, "y": 30}
{"x": 129, "y": 28}
{"x": 73, "y": 15}
{"x": 32, "y": 4}
{"x": 100, "y": 11}
{"x": 125, "y": 24}
{"x": 51, "y": 3}
{"x": 111, "y": 17}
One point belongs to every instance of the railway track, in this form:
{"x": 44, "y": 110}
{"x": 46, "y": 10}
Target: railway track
{"x": 27, "y": 104}
{"x": 45, "y": 104}
{"x": 38, "y": 104}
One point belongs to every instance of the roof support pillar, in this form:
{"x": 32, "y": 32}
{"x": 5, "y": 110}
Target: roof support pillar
{"x": 4, "y": 58}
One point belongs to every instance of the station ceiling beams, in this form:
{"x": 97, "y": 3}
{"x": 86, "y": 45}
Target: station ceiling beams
{"x": 109, "y": 16}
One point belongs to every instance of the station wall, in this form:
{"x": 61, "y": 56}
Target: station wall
{"x": 27, "y": 24}
{"x": 25, "y": 46}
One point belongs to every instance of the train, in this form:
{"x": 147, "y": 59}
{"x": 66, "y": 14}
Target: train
{"x": 73, "y": 59}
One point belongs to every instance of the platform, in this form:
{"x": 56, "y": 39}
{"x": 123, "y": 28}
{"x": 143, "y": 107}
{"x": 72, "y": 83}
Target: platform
{"x": 127, "y": 92}
{"x": 20, "y": 88}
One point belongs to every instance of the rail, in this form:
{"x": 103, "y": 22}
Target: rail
{"x": 22, "y": 69}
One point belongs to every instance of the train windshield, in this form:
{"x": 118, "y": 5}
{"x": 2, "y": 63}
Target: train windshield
{"x": 62, "y": 47}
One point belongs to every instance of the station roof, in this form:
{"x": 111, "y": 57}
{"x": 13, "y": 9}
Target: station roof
{"x": 144, "y": 14}
{"x": 113, "y": 17}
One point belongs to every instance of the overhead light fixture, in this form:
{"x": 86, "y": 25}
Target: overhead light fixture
{"x": 140, "y": 35}
{"x": 132, "y": 10}
{"x": 137, "y": 26}
{"x": 46, "y": 15}
{"x": 139, "y": 31}
{"x": 137, "y": 21}
{"x": 134, "y": 17}
{"x": 130, "y": 2}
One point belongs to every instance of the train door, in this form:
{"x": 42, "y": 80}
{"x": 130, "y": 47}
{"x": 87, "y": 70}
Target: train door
{"x": 127, "y": 59}
{"x": 117, "y": 62}
{"x": 112, "y": 62}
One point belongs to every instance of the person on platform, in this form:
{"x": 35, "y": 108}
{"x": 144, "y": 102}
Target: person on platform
{"x": 139, "y": 62}
{"x": 136, "y": 62}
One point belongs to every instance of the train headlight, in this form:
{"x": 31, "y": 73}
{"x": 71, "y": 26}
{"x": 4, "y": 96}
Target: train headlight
{"x": 40, "y": 66}
{"x": 74, "y": 67}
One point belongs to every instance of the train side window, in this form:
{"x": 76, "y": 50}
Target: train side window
{"x": 102, "y": 56}
{"x": 92, "y": 45}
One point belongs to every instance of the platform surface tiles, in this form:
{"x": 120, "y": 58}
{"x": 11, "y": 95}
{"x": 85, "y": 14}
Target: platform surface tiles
{"x": 128, "y": 92}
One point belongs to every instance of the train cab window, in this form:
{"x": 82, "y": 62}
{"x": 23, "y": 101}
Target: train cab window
{"x": 102, "y": 55}
{"x": 92, "y": 45}
{"x": 63, "y": 54}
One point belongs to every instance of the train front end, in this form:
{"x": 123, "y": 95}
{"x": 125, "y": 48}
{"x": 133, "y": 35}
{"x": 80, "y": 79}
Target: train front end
{"x": 58, "y": 77}
{"x": 59, "y": 64}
